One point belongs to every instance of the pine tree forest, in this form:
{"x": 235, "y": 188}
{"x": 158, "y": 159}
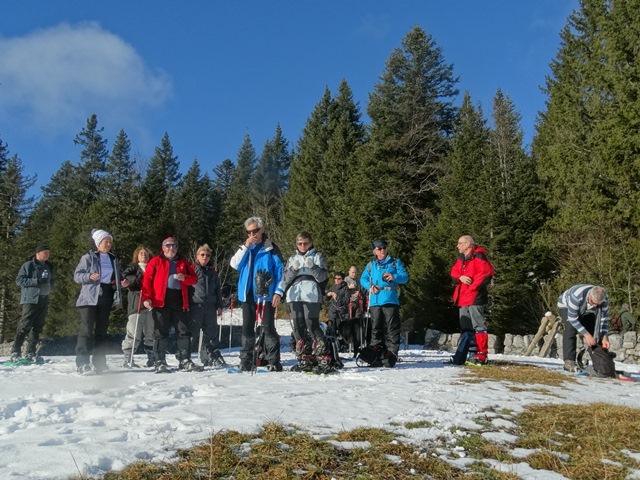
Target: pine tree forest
{"x": 427, "y": 166}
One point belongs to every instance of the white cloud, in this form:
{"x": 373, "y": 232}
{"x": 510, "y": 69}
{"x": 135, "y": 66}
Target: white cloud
{"x": 53, "y": 79}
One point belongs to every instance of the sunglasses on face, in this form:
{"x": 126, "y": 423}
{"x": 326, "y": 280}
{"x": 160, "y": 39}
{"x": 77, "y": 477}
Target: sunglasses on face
{"x": 303, "y": 244}
{"x": 254, "y": 231}
{"x": 170, "y": 245}
{"x": 205, "y": 254}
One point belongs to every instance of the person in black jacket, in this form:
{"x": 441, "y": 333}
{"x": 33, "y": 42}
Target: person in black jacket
{"x": 339, "y": 295}
{"x": 140, "y": 321}
{"x": 205, "y": 305}
{"x": 36, "y": 279}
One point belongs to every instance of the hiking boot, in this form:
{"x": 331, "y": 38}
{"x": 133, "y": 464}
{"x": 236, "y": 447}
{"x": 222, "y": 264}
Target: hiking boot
{"x": 570, "y": 366}
{"x": 188, "y": 366}
{"x": 128, "y": 361}
{"x": 161, "y": 367}
{"x": 217, "y": 359}
{"x": 100, "y": 368}
{"x": 275, "y": 367}
{"x": 389, "y": 359}
{"x": 15, "y": 357}
{"x": 476, "y": 361}
{"x": 85, "y": 369}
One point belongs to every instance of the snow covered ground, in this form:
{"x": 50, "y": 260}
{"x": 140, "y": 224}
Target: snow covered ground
{"x": 55, "y": 423}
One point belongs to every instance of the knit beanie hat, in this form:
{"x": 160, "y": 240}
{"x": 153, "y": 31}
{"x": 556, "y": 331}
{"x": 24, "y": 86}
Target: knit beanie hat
{"x": 99, "y": 235}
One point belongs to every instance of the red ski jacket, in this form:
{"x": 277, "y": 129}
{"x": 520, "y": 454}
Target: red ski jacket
{"x": 156, "y": 276}
{"x": 478, "y": 267}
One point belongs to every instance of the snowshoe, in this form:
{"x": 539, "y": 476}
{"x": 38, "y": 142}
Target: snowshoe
{"x": 162, "y": 367}
{"x": 217, "y": 359}
{"x": 86, "y": 370}
{"x": 370, "y": 356}
{"x": 189, "y": 366}
{"x": 275, "y": 367}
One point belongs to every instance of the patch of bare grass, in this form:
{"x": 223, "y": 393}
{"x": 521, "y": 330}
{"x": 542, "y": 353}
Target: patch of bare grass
{"x": 516, "y": 373}
{"x": 591, "y": 437}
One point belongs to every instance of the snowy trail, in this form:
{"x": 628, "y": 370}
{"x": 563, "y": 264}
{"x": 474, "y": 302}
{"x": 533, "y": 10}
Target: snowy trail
{"x": 55, "y": 423}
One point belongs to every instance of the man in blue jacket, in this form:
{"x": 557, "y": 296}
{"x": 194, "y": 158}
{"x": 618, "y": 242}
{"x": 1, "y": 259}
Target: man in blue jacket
{"x": 258, "y": 259}
{"x": 382, "y": 278}
{"x": 36, "y": 279}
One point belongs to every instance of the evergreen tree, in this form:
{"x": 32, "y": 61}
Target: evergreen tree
{"x": 14, "y": 208}
{"x": 304, "y": 203}
{"x": 269, "y": 181}
{"x": 586, "y": 147}
{"x": 465, "y": 209}
{"x": 120, "y": 208}
{"x": 158, "y": 187}
{"x": 238, "y": 205}
{"x": 93, "y": 157}
{"x": 412, "y": 116}
{"x": 319, "y": 199}
{"x": 515, "y": 216}
{"x": 195, "y": 210}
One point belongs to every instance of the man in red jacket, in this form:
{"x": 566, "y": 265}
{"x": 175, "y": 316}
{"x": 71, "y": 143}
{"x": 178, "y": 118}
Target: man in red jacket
{"x": 165, "y": 293}
{"x": 472, "y": 273}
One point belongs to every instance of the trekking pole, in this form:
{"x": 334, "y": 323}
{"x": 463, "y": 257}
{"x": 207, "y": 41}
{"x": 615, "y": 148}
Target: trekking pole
{"x": 231, "y": 319}
{"x": 258, "y": 333}
{"x": 135, "y": 331}
{"x": 200, "y": 342}
{"x": 220, "y": 329}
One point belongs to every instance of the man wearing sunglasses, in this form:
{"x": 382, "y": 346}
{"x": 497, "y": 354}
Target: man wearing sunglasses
{"x": 165, "y": 292}
{"x": 382, "y": 278}
{"x": 258, "y": 255}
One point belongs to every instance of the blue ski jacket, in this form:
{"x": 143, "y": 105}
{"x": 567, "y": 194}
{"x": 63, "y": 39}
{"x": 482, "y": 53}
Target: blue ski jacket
{"x": 262, "y": 256}
{"x": 372, "y": 275}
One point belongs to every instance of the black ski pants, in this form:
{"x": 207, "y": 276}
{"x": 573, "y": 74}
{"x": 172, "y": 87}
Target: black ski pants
{"x": 204, "y": 317}
{"x": 271, "y": 339}
{"x": 570, "y": 334}
{"x": 92, "y": 336}
{"x": 31, "y": 324}
{"x": 306, "y": 320}
{"x": 385, "y": 327}
{"x": 171, "y": 315}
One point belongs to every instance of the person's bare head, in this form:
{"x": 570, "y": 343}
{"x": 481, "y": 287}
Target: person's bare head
{"x": 465, "y": 244}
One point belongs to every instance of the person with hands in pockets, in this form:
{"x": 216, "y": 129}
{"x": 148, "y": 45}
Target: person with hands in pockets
{"x": 382, "y": 278}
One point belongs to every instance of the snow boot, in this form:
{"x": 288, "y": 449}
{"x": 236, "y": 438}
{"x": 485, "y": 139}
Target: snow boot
{"x": 482, "y": 342}
{"x": 304, "y": 355}
{"x": 162, "y": 367}
{"x": 128, "y": 362}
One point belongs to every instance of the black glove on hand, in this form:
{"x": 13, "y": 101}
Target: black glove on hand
{"x": 263, "y": 281}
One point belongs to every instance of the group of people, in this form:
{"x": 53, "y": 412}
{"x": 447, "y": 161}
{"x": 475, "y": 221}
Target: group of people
{"x": 300, "y": 281}
{"x": 166, "y": 291}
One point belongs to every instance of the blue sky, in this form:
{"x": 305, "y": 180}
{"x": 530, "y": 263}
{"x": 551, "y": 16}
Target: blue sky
{"x": 210, "y": 72}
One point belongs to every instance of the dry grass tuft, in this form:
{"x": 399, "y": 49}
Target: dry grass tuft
{"x": 592, "y": 436}
{"x": 515, "y": 373}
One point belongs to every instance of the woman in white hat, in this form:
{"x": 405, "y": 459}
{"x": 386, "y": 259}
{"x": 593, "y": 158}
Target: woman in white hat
{"x": 99, "y": 274}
